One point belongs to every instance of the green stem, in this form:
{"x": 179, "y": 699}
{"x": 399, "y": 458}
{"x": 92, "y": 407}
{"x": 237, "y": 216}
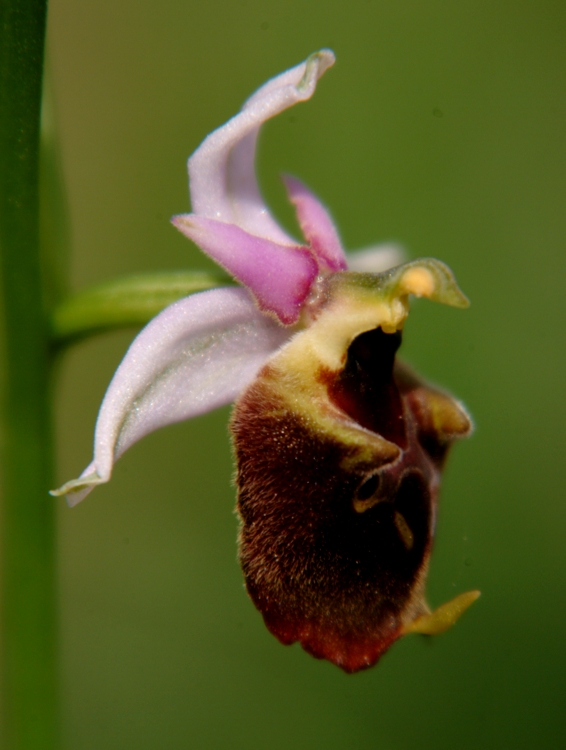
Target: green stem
{"x": 126, "y": 301}
{"x": 28, "y": 619}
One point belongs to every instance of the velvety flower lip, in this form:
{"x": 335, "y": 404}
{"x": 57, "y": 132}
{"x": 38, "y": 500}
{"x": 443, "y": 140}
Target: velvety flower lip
{"x": 203, "y": 351}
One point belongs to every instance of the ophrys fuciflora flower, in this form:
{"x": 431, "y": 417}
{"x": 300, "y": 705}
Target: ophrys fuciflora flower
{"x": 339, "y": 446}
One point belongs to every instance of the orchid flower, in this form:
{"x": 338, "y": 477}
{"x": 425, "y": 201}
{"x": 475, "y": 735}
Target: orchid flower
{"x": 339, "y": 446}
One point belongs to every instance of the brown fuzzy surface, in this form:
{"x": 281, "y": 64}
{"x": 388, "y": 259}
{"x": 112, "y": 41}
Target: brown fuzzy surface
{"x": 340, "y": 581}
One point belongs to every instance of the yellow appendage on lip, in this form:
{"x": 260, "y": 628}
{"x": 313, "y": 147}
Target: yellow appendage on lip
{"x": 443, "y": 617}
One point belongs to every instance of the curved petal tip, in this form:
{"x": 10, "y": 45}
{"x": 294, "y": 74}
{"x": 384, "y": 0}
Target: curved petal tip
{"x": 222, "y": 179}
{"x": 315, "y": 65}
{"x": 77, "y": 489}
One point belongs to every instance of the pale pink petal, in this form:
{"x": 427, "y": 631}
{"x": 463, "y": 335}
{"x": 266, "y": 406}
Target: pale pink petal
{"x": 376, "y": 259}
{"x": 279, "y": 276}
{"x": 199, "y": 353}
{"x": 222, "y": 179}
{"x": 316, "y": 224}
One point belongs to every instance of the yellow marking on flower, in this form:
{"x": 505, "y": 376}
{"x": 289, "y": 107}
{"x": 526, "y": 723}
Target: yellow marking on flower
{"x": 407, "y": 536}
{"x": 306, "y": 395}
{"x": 349, "y": 313}
{"x": 360, "y": 506}
{"x": 444, "y": 617}
{"x": 418, "y": 281}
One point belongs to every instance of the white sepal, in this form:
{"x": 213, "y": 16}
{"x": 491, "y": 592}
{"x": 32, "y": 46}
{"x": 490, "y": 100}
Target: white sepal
{"x": 376, "y": 259}
{"x": 222, "y": 179}
{"x": 196, "y": 355}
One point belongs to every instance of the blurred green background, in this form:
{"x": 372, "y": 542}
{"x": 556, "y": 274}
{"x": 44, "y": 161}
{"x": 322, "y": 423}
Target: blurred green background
{"x": 441, "y": 127}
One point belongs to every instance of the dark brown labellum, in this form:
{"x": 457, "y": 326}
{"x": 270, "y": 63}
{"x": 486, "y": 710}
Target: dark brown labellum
{"x": 337, "y": 488}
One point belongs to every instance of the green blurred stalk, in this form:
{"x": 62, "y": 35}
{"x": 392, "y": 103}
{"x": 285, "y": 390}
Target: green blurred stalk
{"x": 126, "y": 301}
{"x": 28, "y": 616}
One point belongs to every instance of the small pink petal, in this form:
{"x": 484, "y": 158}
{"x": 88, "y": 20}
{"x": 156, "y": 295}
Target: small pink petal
{"x": 316, "y": 224}
{"x": 279, "y": 276}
